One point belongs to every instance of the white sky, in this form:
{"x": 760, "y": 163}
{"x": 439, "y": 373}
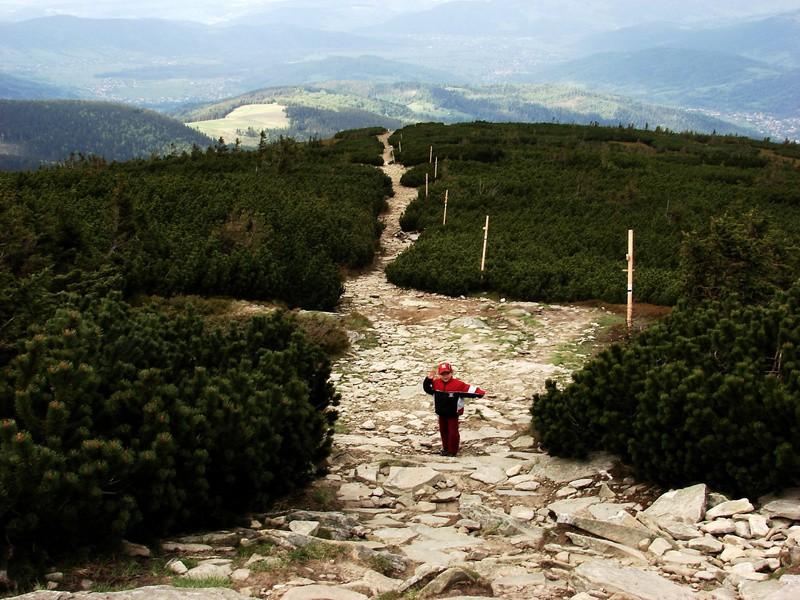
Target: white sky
{"x": 214, "y": 11}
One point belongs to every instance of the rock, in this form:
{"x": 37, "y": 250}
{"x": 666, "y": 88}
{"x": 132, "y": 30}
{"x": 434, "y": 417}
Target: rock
{"x": 523, "y": 441}
{"x": 629, "y": 582}
{"x": 518, "y": 584}
{"x": 742, "y": 529}
{"x": 177, "y": 567}
{"x": 579, "y": 484}
{"x": 353, "y": 492}
{"x": 135, "y": 550}
{"x": 424, "y": 574}
{"x": 493, "y": 521}
{"x": 304, "y": 527}
{"x": 746, "y": 570}
{"x": 185, "y": 548}
{"x": 512, "y": 472}
{"x": 221, "y": 538}
{"x": 469, "y": 323}
{"x": 687, "y": 505}
{"x": 622, "y": 534}
{"x": 680, "y": 531}
{"x": 683, "y": 558}
{"x": 565, "y": 491}
{"x": 161, "y": 592}
{"x": 758, "y": 525}
{"x": 729, "y": 508}
{"x": 606, "y": 492}
{"x": 719, "y": 527}
{"x": 489, "y": 475}
{"x": 240, "y": 575}
{"x": 785, "y": 588}
{"x": 444, "y": 581}
{"x": 469, "y": 524}
{"x": 523, "y": 513}
{"x": 706, "y": 544}
{"x": 446, "y": 496}
{"x": 564, "y": 509}
{"x": 527, "y": 486}
{"x": 376, "y": 583}
{"x": 368, "y": 425}
{"x": 607, "y": 548}
{"x": 395, "y": 536}
{"x": 731, "y": 552}
{"x": 787, "y": 509}
{"x": 404, "y": 479}
{"x": 209, "y": 571}
{"x": 367, "y": 473}
{"x": 563, "y": 470}
{"x": 270, "y": 561}
{"x": 659, "y": 546}
{"x": 322, "y": 592}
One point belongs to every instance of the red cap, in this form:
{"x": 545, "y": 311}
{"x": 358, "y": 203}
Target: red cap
{"x": 445, "y": 368}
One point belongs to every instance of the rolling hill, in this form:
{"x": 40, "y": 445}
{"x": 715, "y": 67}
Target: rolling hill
{"x": 13, "y": 87}
{"x": 46, "y": 131}
{"x": 331, "y": 106}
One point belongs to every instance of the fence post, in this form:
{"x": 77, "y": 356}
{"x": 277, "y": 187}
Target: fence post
{"x": 629, "y": 258}
{"x": 485, "y": 240}
{"x": 430, "y": 158}
{"x": 426, "y": 186}
{"x": 436, "y": 169}
{"x": 444, "y": 218}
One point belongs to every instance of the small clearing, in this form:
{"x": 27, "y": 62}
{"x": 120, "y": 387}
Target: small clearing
{"x": 236, "y": 122}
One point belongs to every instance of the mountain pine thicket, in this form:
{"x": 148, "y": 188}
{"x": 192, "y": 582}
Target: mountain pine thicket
{"x": 144, "y": 423}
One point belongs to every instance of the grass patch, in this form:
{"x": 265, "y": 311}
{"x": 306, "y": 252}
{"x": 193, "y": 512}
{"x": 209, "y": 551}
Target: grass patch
{"x": 381, "y": 564}
{"x": 206, "y": 582}
{"x": 325, "y": 330}
{"x": 340, "y": 427}
{"x": 262, "y": 548}
{"x": 312, "y": 552}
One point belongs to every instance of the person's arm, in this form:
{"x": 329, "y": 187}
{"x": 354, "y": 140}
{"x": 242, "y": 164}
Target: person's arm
{"x": 470, "y": 391}
{"x": 427, "y": 384}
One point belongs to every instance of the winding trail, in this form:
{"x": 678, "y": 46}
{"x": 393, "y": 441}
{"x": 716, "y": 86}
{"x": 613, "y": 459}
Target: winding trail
{"x": 385, "y": 461}
{"x": 507, "y": 348}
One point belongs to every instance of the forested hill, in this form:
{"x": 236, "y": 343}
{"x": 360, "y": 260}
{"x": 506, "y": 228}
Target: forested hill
{"x": 37, "y": 132}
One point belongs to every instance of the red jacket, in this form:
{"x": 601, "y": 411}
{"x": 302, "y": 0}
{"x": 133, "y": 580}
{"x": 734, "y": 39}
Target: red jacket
{"x": 449, "y": 397}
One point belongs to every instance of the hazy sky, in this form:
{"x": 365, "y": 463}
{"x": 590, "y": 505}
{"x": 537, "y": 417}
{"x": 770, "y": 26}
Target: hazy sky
{"x": 214, "y": 11}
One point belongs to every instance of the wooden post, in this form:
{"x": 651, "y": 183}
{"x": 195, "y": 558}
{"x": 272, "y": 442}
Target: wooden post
{"x": 629, "y": 258}
{"x": 485, "y": 240}
{"x": 426, "y": 186}
{"x": 444, "y": 218}
{"x": 400, "y": 146}
{"x": 430, "y": 158}
{"x": 436, "y": 169}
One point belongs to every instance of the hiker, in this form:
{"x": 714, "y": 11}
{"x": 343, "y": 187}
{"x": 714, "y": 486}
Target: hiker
{"x": 448, "y": 395}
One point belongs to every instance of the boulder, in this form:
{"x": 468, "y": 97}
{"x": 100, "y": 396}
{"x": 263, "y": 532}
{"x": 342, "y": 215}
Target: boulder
{"x": 494, "y": 521}
{"x": 410, "y": 479}
{"x": 729, "y": 508}
{"x": 628, "y": 582}
{"x": 322, "y": 592}
{"x": 608, "y": 548}
{"x": 161, "y": 592}
{"x": 785, "y": 588}
{"x": 687, "y": 505}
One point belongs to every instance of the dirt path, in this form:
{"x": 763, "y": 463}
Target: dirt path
{"x": 508, "y": 348}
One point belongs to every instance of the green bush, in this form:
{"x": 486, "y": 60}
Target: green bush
{"x": 710, "y": 394}
{"x": 560, "y": 209}
{"x": 121, "y": 422}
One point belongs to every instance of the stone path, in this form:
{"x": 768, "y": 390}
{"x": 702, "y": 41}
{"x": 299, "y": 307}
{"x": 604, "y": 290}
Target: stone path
{"x": 503, "y": 519}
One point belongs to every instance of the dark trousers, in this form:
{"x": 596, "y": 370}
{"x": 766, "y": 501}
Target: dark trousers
{"x": 448, "y": 428}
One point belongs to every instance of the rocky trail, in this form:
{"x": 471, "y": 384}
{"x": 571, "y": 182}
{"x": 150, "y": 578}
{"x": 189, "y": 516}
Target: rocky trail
{"x": 394, "y": 520}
